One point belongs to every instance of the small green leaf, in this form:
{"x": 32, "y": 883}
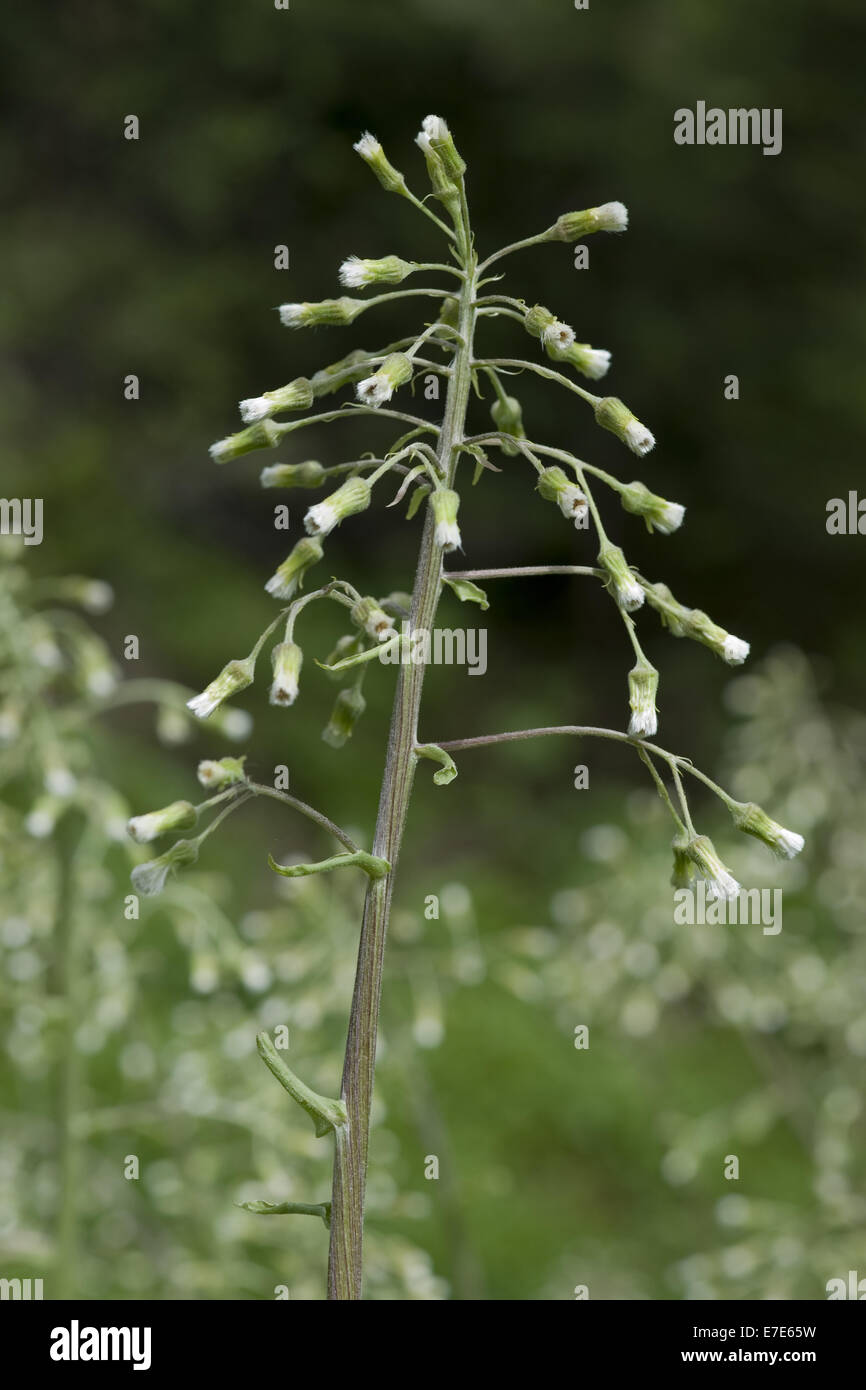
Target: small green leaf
{"x": 468, "y": 592}
{"x": 448, "y": 770}
{"x": 322, "y": 1209}
{"x": 369, "y": 654}
{"x": 416, "y": 499}
{"x": 325, "y": 1113}
{"x": 371, "y": 865}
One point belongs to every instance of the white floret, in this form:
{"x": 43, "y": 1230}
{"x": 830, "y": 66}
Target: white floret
{"x": 638, "y": 438}
{"x": 320, "y": 520}
{"x": 612, "y": 217}
{"x": 149, "y": 879}
{"x": 736, "y": 650}
{"x": 354, "y": 275}
{"x": 788, "y": 843}
{"x": 203, "y": 705}
{"x": 367, "y": 146}
{"x": 292, "y": 315}
{"x": 595, "y": 363}
{"x": 722, "y": 885}
{"x": 630, "y": 595}
{"x": 559, "y": 335}
{"x": 374, "y": 390}
{"x": 255, "y": 408}
{"x": 448, "y": 535}
{"x": 643, "y": 723}
{"x": 670, "y": 518}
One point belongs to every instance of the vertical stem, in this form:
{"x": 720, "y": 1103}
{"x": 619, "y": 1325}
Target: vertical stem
{"x": 350, "y": 1156}
{"x": 68, "y": 1078}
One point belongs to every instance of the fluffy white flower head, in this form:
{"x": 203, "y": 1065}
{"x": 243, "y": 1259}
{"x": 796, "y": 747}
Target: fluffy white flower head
{"x": 255, "y": 408}
{"x": 144, "y": 828}
{"x": 595, "y": 363}
{"x": 612, "y": 217}
{"x": 368, "y": 146}
{"x": 644, "y": 723}
{"x": 572, "y": 504}
{"x": 320, "y": 520}
{"x": 629, "y": 595}
{"x": 292, "y": 315}
{"x": 204, "y": 704}
{"x": 149, "y": 879}
{"x": 722, "y": 886}
{"x": 374, "y": 390}
{"x": 354, "y": 275}
{"x": 669, "y": 518}
{"x": 735, "y": 650}
{"x": 558, "y": 335}
{"x": 638, "y": 438}
{"x": 788, "y": 843}
{"x": 448, "y": 535}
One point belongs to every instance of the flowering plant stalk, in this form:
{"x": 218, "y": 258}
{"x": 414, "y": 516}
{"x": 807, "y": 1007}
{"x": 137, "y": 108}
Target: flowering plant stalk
{"x": 428, "y": 458}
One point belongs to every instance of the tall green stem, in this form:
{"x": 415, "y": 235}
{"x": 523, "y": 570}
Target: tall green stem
{"x": 350, "y": 1158}
{"x": 69, "y": 1065}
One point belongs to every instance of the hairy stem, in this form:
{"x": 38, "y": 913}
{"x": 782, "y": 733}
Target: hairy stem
{"x": 69, "y": 1068}
{"x": 350, "y": 1157}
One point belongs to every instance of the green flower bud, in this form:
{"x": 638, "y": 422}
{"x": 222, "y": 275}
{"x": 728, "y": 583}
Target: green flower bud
{"x": 348, "y": 708}
{"x": 556, "y": 336}
{"x": 620, "y": 580}
{"x": 93, "y": 595}
{"x": 610, "y": 217}
{"x": 308, "y": 474}
{"x": 673, "y": 614}
{"x": 752, "y": 820}
{"x": 368, "y": 615}
{"x": 180, "y": 815}
{"x": 395, "y": 371}
{"x": 692, "y": 622}
{"x": 233, "y": 678}
{"x": 555, "y": 486}
{"x": 443, "y": 181}
{"x": 149, "y": 879}
{"x": 286, "y": 659}
{"x": 507, "y": 416}
{"x": 612, "y": 414}
{"x": 701, "y": 852}
{"x": 327, "y": 311}
{"x": 264, "y": 434}
{"x": 643, "y": 683}
{"x": 330, "y": 379}
{"x": 684, "y": 870}
{"x": 450, "y": 311}
{"x": 435, "y": 130}
{"x": 701, "y": 628}
{"x": 298, "y": 395}
{"x": 445, "y": 503}
{"x": 348, "y": 500}
{"x": 215, "y": 774}
{"x": 399, "y": 603}
{"x": 656, "y": 512}
{"x": 589, "y": 361}
{"x": 289, "y": 577}
{"x": 371, "y": 152}
{"x": 357, "y": 274}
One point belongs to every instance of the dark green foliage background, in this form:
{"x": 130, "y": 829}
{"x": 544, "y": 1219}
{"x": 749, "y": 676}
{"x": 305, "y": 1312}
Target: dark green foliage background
{"x": 156, "y": 258}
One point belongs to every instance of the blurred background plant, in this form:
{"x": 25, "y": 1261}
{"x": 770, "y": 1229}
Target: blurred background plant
{"x": 154, "y": 257}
